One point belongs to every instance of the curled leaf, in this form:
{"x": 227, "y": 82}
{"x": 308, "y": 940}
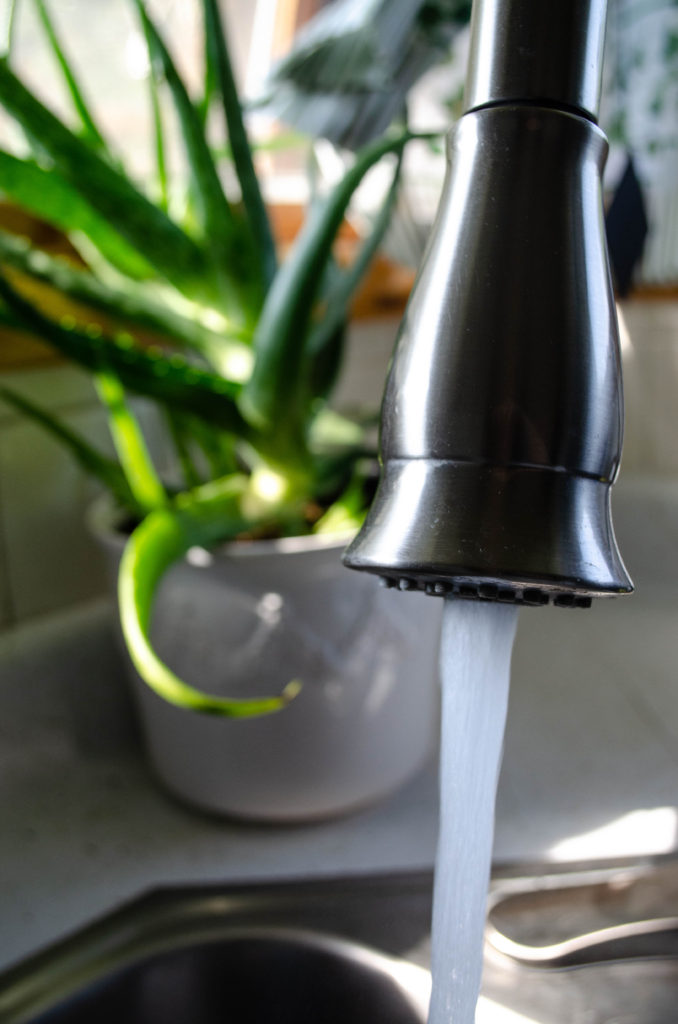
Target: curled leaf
{"x": 163, "y": 537}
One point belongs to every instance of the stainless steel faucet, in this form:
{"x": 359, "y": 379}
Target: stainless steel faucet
{"x": 502, "y": 420}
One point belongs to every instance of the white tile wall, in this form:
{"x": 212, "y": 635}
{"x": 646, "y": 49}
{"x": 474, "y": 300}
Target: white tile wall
{"x": 58, "y": 387}
{"x": 650, "y": 356}
{"x": 368, "y": 351}
{"x": 50, "y": 557}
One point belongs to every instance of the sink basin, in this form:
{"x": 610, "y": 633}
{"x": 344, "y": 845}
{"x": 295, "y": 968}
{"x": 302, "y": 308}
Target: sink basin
{"x": 249, "y": 954}
{"x": 254, "y": 977}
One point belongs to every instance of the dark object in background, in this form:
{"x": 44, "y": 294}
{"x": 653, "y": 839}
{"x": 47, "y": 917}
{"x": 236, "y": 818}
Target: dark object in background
{"x": 626, "y": 227}
{"x": 352, "y": 65}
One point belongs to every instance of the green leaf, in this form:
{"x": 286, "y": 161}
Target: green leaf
{"x": 49, "y": 196}
{"x": 209, "y": 90}
{"x": 217, "y": 57}
{"x": 331, "y": 431}
{"x": 325, "y": 343}
{"x": 218, "y": 448}
{"x": 347, "y": 512}
{"x": 9, "y": 319}
{"x": 90, "y": 130}
{"x": 132, "y": 306}
{"x": 93, "y": 462}
{"x": 217, "y": 222}
{"x": 180, "y": 440}
{"x": 158, "y": 140}
{"x": 159, "y": 240}
{"x": 198, "y": 519}
{"x": 269, "y": 397}
{"x": 172, "y": 381}
{"x": 135, "y": 460}
{"x": 7, "y": 26}
{"x": 324, "y": 363}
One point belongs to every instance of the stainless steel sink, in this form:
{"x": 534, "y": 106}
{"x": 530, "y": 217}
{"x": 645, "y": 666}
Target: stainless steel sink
{"x": 356, "y": 949}
{"x": 252, "y": 976}
{"x": 292, "y": 952}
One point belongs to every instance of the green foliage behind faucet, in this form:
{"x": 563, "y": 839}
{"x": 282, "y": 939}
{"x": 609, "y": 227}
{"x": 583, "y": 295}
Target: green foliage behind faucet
{"x": 249, "y": 348}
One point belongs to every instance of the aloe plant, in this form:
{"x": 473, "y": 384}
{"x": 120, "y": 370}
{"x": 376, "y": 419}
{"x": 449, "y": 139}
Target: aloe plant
{"x": 247, "y": 349}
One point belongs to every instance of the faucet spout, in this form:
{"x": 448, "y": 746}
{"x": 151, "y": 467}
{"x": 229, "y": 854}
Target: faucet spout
{"x": 502, "y": 419}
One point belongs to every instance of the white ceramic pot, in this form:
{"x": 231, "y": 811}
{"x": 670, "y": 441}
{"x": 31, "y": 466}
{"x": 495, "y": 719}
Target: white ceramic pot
{"x": 254, "y": 616}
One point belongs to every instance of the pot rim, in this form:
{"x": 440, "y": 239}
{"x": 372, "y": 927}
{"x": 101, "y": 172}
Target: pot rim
{"x": 103, "y": 521}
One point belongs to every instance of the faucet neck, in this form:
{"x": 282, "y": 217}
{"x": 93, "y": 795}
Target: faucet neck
{"x": 545, "y": 52}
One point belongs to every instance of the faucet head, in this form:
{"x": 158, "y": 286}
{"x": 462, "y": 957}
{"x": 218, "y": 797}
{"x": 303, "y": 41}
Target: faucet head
{"x": 502, "y": 420}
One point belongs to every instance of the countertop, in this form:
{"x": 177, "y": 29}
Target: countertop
{"x": 590, "y": 767}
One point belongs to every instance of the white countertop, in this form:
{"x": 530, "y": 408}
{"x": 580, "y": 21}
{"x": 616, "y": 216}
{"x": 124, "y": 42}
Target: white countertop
{"x": 590, "y": 767}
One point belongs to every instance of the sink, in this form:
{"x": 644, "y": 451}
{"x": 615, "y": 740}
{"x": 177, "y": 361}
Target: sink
{"x": 327, "y": 951}
{"x": 356, "y": 949}
{"x": 253, "y": 976}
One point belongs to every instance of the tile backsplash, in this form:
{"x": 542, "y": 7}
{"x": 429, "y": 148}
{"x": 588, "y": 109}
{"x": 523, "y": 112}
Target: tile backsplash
{"x": 47, "y": 558}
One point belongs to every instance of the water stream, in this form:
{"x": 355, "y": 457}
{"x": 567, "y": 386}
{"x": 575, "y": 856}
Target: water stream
{"x": 475, "y": 659}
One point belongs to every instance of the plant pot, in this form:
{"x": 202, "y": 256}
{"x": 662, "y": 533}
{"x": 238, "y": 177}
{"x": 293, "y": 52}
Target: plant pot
{"x": 244, "y": 621}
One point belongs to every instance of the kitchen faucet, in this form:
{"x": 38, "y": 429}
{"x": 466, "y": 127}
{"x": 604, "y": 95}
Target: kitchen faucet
{"x": 502, "y": 420}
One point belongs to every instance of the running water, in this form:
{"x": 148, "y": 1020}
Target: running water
{"x": 475, "y": 659}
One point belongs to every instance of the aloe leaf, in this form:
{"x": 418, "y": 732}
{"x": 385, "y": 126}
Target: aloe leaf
{"x": 209, "y": 88}
{"x": 7, "y": 26}
{"x": 216, "y": 216}
{"x": 331, "y": 431}
{"x": 325, "y": 342}
{"x": 347, "y": 512}
{"x": 93, "y": 462}
{"x": 158, "y": 141}
{"x": 326, "y": 364}
{"x": 217, "y": 447}
{"x": 9, "y": 319}
{"x": 172, "y": 381}
{"x": 49, "y": 196}
{"x": 218, "y": 59}
{"x": 135, "y": 460}
{"x": 268, "y": 397}
{"x": 181, "y": 446}
{"x": 90, "y": 130}
{"x": 162, "y": 539}
{"x": 146, "y": 228}
{"x": 131, "y": 306}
